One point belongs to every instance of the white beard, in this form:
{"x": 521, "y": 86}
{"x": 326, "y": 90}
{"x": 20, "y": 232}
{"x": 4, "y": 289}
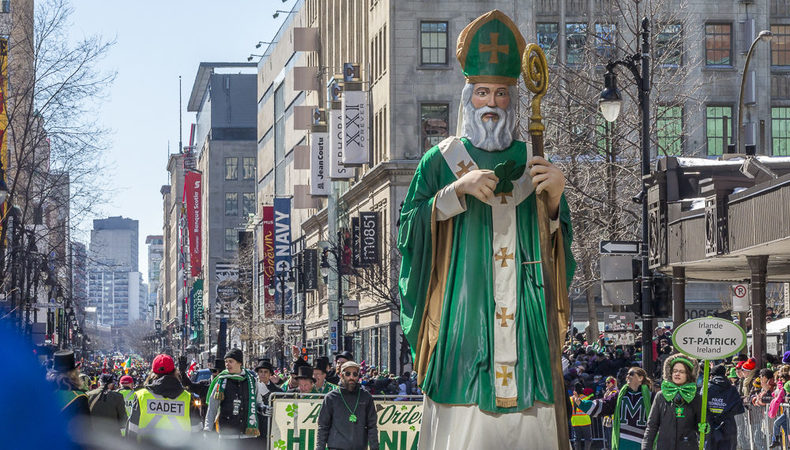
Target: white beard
{"x": 490, "y": 135}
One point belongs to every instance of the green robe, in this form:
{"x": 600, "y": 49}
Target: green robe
{"x": 460, "y": 370}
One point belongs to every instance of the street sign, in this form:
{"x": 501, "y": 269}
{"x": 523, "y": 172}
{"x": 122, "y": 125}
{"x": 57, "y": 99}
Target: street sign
{"x": 46, "y": 305}
{"x": 740, "y": 297}
{"x": 350, "y": 316}
{"x": 293, "y": 327}
{"x": 617, "y": 279}
{"x": 709, "y": 338}
{"x": 287, "y": 322}
{"x": 619, "y": 247}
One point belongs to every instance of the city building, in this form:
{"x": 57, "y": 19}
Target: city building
{"x": 223, "y": 100}
{"x": 169, "y": 308}
{"x": 156, "y": 250}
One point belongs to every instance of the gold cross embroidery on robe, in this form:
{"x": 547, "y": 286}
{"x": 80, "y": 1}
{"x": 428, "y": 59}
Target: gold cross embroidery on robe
{"x": 493, "y": 48}
{"x": 465, "y": 168}
{"x": 503, "y": 256}
{"x": 503, "y": 197}
{"x": 504, "y": 375}
{"x": 504, "y": 317}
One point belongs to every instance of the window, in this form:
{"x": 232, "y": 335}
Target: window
{"x": 433, "y": 43}
{"x": 575, "y": 39}
{"x": 718, "y": 44}
{"x": 605, "y": 40}
{"x": 669, "y": 45}
{"x": 669, "y": 130}
{"x": 231, "y": 240}
{"x": 248, "y": 168}
{"x": 5, "y": 6}
{"x": 231, "y": 204}
{"x": 547, "y": 39}
{"x": 780, "y": 45}
{"x": 714, "y": 127}
{"x": 232, "y": 168}
{"x": 434, "y": 119}
{"x": 248, "y": 203}
{"x": 780, "y": 130}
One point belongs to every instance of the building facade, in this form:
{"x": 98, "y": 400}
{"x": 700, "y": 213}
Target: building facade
{"x": 156, "y": 250}
{"x": 223, "y": 100}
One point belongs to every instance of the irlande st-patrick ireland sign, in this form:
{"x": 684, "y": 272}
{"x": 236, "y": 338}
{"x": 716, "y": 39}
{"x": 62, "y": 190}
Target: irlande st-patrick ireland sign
{"x": 294, "y": 423}
{"x": 709, "y": 338}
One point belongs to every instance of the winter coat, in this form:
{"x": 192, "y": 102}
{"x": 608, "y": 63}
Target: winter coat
{"x": 335, "y": 429}
{"x": 108, "y": 411}
{"x": 724, "y": 403}
{"x": 674, "y": 425}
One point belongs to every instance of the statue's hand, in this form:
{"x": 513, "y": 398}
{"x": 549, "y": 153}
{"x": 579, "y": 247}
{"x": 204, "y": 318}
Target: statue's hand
{"x": 546, "y": 177}
{"x": 477, "y": 183}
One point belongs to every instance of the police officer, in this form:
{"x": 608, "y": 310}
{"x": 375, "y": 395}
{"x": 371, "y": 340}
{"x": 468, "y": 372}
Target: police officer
{"x": 162, "y": 407}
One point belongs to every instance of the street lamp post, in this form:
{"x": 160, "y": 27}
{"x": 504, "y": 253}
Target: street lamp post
{"x": 282, "y": 278}
{"x": 337, "y": 252}
{"x": 610, "y": 102}
{"x": 764, "y": 35}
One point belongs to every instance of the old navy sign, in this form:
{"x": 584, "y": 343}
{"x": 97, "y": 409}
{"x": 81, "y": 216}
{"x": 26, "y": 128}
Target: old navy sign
{"x": 355, "y": 128}
{"x": 319, "y": 183}
{"x": 337, "y": 171}
{"x": 282, "y": 252}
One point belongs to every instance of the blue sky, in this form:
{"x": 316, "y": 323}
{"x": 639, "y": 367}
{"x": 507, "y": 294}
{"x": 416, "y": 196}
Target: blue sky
{"x": 156, "y": 41}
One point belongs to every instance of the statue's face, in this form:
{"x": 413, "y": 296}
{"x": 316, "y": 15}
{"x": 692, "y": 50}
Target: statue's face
{"x": 493, "y": 95}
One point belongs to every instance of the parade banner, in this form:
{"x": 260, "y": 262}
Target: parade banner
{"x": 310, "y": 269}
{"x": 337, "y": 171}
{"x": 192, "y": 204}
{"x": 319, "y": 183}
{"x": 355, "y": 128}
{"x": 282, "y": 254}
{"x": 294, "y": 423}
{"x": 355, "y": 242}
{"x": 368, "y": 238}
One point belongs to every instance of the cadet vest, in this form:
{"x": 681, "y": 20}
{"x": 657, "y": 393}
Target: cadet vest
{"x": 579, "y": 418}
{"x": 128, "y": 400}
{"x": 161, "y": 413}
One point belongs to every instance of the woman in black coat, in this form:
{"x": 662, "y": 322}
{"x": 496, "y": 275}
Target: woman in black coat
{"x": 677, "y": 409}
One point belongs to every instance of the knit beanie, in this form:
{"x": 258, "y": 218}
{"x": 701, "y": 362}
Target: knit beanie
{"x": 750, "y": 364}
{"x": 235, "y": 354}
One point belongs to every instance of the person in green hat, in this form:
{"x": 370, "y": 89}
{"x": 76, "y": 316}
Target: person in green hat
{"x": 471, "y": 290}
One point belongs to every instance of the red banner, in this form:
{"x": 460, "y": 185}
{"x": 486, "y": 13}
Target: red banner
{"x": 192, "y": 204}
{"x": 268, "y": 259}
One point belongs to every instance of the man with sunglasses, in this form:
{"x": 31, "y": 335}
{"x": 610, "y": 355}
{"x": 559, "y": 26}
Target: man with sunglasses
{"x": 348, "y": 416}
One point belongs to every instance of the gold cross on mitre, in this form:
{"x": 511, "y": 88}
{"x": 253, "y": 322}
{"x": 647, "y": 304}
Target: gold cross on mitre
{"x": 504, "y": 375}
{"x": 465, "y": 168}
{"x": 493, "y": 48}
{"x": 504, "y": 317}
{"x": 503, "y": 256}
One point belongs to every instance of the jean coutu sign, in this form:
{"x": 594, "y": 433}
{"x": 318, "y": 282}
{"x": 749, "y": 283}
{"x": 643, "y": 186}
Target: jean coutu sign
{"x": 709, "y": 338}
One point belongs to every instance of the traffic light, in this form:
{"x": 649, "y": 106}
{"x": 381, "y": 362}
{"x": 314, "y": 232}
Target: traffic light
{"x": 304, "y": 353}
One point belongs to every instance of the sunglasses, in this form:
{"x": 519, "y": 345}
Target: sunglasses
{"x": 351, "y": 374}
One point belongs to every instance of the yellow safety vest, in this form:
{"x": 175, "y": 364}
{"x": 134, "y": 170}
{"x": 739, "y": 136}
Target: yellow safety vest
{"x": 161, "y": 413}
{"x": 128, "y": 400}
{"x": 579, "y": 418}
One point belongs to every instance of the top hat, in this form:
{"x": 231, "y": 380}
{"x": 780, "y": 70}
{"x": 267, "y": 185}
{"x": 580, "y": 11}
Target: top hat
{"x": 305, "y": 372}
{"x": 219, "y": 364}
{"x": 322, "y": 364}
{"x": 344, "y": 354}
{"x": 264, "y": 363}
{"x": 63, "y": 361}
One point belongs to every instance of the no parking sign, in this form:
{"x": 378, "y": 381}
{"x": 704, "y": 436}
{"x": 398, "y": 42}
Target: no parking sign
{"x": 740, "y": 297}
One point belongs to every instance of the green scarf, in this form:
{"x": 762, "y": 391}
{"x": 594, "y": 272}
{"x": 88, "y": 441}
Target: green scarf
{"x": 669, "y": 390}
{"x": 616, "y": 418}
{"x": 217, "y": 393}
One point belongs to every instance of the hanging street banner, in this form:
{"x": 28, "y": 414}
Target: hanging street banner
{"x": 294, "y": 423}
{"x": 267, "y": 272}
{"x": 282, "y": 254}
{"x": 368, "y": 238}
{"x": 355, "y": 242}
{"x": 709, "y": 338}
{"x": 355, "y": 128}
{"x": 197, "y": 310}
{"x": 337, "y": 171}
{"x": 319, "y": 183}
{"x": 310, "y": 269}
{"x": 192, "y": 205}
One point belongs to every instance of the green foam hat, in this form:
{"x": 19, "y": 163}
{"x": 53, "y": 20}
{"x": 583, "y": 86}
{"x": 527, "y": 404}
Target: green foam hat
{"x": 490, "y": 48}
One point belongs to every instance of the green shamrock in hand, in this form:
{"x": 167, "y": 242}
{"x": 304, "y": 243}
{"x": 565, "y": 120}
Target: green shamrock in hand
{"x": 507, "y": 172}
